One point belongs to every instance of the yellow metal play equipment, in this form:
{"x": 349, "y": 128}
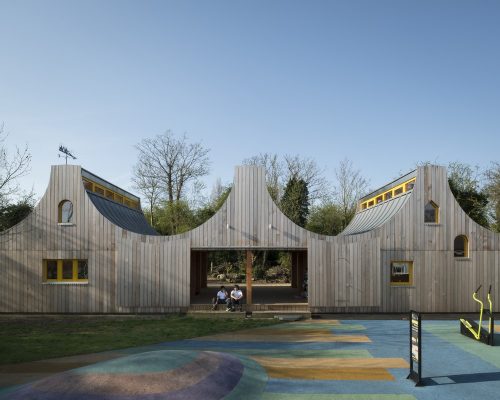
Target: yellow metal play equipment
{"x": 472, "y": 329}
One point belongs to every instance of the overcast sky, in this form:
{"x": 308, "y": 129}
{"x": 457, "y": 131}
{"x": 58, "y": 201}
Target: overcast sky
{"x": 383, "y": 83}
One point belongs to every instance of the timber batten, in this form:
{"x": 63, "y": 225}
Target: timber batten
{"x": 134, "y": 272}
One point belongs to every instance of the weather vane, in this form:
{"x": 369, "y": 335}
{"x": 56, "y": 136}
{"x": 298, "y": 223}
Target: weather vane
{"x": 66, "y": 153}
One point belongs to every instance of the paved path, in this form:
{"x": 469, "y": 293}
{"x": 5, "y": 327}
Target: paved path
{"x": 316, "y": 359}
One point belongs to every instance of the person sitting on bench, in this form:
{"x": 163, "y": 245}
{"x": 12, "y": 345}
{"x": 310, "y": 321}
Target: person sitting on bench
{"x": 220, "y": 299}
{"x": 235, "y": 299}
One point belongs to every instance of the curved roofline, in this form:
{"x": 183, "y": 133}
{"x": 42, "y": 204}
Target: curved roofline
{"x": 376, "y": 216}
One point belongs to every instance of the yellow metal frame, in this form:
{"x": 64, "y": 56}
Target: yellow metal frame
{"x": 388, "y": 194}
{"x": 60, "y": 271}
{"x": 466, "y": 323}
{"x": 477, "y": 335}
{"x": 490, "y": 325}
{"x": 410, "y": 273}
{"x": 110, "y": 194}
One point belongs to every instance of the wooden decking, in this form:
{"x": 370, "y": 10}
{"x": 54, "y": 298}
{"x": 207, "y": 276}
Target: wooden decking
{"x": 298, "y": 310}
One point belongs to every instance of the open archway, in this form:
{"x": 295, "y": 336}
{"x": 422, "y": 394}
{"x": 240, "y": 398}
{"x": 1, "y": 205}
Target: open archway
{"x": 275, "y": 287}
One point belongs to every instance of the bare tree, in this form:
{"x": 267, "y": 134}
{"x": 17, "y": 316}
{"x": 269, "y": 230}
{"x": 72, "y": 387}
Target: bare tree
{"x": 307, "y": 170}
{"x": 174, "y": 162}
{"x": 493, "y": 190}
{"x": 350, "y": 188}
{"x": 11, "y": 168}
{"x": 279, "y": 172}
{"x": 168, "y": 167}
{"x": 149, "y": 186}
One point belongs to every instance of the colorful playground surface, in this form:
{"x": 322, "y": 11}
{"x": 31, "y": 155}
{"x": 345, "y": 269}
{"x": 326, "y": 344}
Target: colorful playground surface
{"x": 313, "y": 359}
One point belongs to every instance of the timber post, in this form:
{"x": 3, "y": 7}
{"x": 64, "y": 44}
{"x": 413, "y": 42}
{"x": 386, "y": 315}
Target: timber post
{"x": 249, "y": 279}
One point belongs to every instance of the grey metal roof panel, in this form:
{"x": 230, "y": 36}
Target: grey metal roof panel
{"x": 374, "y": 217}
{"x": 125, "y": 217}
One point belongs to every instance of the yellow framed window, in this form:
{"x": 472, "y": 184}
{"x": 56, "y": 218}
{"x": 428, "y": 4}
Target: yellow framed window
{"x": 88, "y": 185}
{"x": 409, "y": 186}
{"x": 65, "y": 270}
{"x": 461, "y": 246}
{"x": 99, "y": 190}
{"x": 401, "y": 273}
{"x": 50, "y": 270}
{"x": 82, "y": 270}
{"x": 65, "y": 212}
{"x": 431, "y": 213}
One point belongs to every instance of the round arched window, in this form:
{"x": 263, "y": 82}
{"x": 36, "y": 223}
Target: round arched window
{"x": 65, "y": 212}
{"x": 461, "y": 246}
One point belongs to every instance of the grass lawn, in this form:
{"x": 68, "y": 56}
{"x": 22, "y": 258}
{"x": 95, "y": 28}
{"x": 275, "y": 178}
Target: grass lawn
{"x": 30, "y": 340}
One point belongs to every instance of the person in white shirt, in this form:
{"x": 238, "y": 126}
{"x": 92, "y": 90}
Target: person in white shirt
{"x": 235, "y": 299}
{"x": 220, "y": 299}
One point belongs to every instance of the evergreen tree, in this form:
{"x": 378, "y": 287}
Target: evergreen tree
{"x": 295, "y": 201}
{"x": 12, "y": 214}
{"x": 326, "y": 219}
{"x": 464, "y": 184}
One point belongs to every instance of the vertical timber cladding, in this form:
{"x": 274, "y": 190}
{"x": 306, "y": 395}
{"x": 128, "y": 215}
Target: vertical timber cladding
{"x": 153, "y": 276}
{"x": 130, "y": 272}
{"x": 344, "y": 276}
{"x": 249, "y": 219}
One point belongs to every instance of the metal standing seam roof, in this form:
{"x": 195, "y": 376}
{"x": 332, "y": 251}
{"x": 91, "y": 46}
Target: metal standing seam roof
{"x": 125, "y": 217}
{"x": 375, "y": 216}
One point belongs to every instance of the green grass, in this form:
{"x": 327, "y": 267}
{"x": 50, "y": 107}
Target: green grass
{"x": 30, "y": 340}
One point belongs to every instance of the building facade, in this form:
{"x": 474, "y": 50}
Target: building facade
{"x": 87, "y": 248}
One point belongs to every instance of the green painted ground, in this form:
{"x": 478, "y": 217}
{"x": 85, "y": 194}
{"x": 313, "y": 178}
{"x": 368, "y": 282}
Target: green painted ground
{"x": 471, "y": 346}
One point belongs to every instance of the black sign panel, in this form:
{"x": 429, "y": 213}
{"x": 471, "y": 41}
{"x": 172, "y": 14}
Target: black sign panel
{"x": 416, "y": 348}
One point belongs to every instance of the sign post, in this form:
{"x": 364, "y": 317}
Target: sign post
{"x": 416, "y": 348}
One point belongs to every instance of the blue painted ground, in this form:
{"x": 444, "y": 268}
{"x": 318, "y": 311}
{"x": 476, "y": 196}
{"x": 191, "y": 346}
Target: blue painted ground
{"x": 454, "y": 366}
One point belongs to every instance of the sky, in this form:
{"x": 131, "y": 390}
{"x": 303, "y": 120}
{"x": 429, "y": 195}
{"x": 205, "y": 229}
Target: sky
{"x": 385, "y": 84}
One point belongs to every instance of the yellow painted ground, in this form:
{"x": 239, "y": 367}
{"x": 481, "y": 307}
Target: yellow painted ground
{"x": 332, "y": 362}
{"x": 372, "y": 374}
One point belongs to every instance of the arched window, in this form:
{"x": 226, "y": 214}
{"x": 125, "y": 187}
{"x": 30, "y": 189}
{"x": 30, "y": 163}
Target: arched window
{"x": 65, "y": 212}
{"x": 461, "y": 246}
{"x": 431, "y": 213}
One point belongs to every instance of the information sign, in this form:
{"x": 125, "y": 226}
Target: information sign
{"x": 416, "y": 348}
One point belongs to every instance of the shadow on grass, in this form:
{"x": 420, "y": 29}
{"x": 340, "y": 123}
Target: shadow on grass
{"x": 462, "y": 378}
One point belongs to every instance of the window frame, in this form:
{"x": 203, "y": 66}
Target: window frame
{"x": 60, "y": 212}
{"x": 60, "y": 279}
{"x": 410, "y": 273}
{"x": 110, "y": 194}
{"x": 436, "y": 210}
{"x": 466, "y": 247}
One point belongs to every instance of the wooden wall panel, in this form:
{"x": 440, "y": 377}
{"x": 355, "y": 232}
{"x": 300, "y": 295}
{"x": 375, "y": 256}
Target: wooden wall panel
{"x": 129, "y": 272}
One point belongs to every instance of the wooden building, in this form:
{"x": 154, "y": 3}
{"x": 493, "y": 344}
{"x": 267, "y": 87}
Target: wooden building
{"x": 87, "y": 248}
